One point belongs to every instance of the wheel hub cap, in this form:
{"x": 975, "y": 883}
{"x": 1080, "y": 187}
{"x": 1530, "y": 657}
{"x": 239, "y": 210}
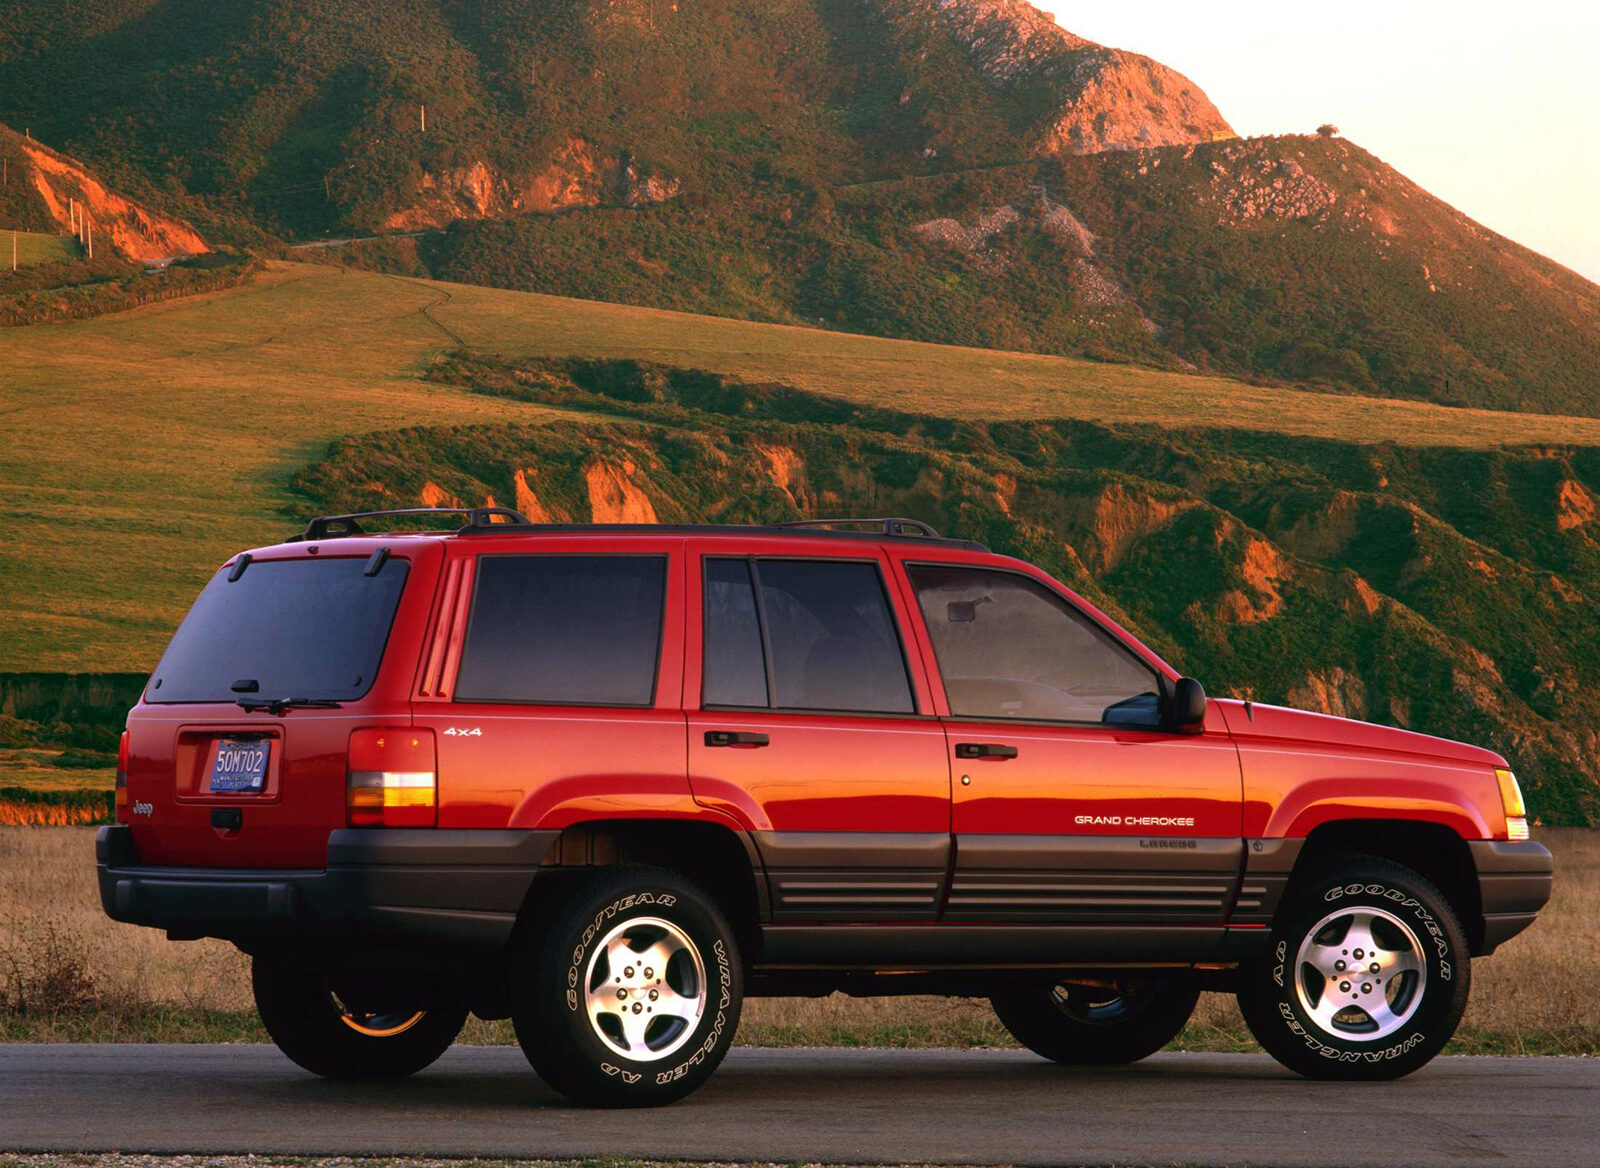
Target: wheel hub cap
{"x": 1360, "y": 973}
{"x": 645, "y": 988}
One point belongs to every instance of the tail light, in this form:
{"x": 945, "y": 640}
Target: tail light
{"x": 122, "y": 779}
{"x": 393, "y": 778}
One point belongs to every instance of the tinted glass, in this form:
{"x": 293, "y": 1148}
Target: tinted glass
{"x": 565, "y": 630}
{"x": 1009, "y": 647}
{"x": 298, "y": 628}
{"x": 832, "y": 638}
{"x": 736, "y": 671}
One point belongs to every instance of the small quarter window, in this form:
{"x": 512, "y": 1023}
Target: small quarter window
{"x": 564, "y": 630}
{"x": 1008, "y": 647}
{"x": 736, "y": 669}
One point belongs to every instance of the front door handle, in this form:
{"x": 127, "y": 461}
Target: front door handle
{"x": 985, "y": 750}
{"x": 735, "y": 738}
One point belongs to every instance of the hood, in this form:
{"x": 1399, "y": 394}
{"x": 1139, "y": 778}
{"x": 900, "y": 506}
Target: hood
{"x": 1283, "y": 723}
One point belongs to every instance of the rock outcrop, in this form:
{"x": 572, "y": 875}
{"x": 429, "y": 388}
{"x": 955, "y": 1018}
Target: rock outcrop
{"x": 577, "y": 174}
{"x": 66, "y": 189}
{"x": 1108, "y": 99}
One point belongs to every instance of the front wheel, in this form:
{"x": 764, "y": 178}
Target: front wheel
{"x": 626, "y": 992}
{"x": 1368, "y": 975}
{"x": 351, "y": 1032}
{"x": 1114, "y": 1022}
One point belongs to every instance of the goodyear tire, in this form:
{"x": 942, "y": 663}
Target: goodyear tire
{"x": 353, "y": 1035}
{"x": 1368, "y": 975}
{"x": 626, "y": 993}
{"x": 1082, "y": 1025}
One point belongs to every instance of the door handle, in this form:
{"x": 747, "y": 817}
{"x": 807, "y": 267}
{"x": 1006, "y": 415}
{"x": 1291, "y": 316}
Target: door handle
{"x": 985, "y": 750}
{"x": 735, "y": 738}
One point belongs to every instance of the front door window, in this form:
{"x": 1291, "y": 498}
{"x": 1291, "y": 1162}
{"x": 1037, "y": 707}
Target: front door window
{"x": 1008, "y": 647}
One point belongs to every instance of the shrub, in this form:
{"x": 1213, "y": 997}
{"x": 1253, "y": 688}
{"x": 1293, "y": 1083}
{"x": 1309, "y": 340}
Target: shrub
{"x": 44, "y": 968}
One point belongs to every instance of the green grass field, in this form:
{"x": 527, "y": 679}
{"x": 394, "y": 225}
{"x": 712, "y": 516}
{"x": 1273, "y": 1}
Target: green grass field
{"x": 35, "y": 248}
{"x": 144, "y": 448}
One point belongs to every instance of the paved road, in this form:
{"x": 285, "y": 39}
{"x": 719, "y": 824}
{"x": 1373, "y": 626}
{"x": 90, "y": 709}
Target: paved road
{"x": 938, "y": 1107}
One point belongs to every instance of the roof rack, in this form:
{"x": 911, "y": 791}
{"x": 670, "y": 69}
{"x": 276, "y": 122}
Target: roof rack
{"x": 339, "y": 526}
{"x": 887, "y": 525}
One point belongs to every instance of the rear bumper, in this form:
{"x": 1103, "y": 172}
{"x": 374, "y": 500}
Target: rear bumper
{"x": 1514, "y": 880}
{"x": 451, "y": 887}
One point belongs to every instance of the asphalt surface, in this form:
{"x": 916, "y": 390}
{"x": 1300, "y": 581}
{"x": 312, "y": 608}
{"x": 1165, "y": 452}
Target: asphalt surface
{"x": 836, "y": 1106}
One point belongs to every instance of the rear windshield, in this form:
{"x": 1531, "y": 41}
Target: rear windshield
{"x": 297, "y": 628}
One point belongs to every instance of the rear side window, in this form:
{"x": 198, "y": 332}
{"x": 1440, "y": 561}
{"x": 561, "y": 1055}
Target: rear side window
{"x": 1008, "y": 647}
{"x": 564, "y": 630}
{"x": 304, "y": 628}
{"x": 802, "y": 635}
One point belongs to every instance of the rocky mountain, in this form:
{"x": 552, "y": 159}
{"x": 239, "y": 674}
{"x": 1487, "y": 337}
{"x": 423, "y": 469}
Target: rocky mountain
{"x": 962, "y": 171}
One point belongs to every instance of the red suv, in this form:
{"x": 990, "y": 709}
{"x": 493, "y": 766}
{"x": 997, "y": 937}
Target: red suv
{"x": 608, "y": 780}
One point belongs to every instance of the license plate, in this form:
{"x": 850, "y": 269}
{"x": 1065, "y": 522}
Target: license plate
{"x": 240, "y": 766}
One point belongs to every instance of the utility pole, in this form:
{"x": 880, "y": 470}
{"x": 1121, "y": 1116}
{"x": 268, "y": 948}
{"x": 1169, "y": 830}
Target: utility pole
{"x": 90, "y": 227}
{"x": 13, "y": 251}
{"x": 423, "y": 111}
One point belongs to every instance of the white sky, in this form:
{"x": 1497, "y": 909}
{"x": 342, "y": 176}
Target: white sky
{"x": 1495, "y": 108}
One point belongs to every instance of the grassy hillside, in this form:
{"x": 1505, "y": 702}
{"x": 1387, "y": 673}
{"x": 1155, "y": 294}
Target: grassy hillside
{"x": 1297, "y": 259}
{"x": 1393, "y": 560}
{"x": 201, "y": 417}
{"x": 900, "y": 168}
{"x": 35, "y": 248}
{"x": 1445, "y": 590}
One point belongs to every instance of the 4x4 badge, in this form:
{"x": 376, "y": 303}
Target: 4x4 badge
{"x": 463, "y": 732}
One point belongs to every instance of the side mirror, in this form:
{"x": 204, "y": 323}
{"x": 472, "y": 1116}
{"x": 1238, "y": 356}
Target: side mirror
{"x": 1186, "y": 707}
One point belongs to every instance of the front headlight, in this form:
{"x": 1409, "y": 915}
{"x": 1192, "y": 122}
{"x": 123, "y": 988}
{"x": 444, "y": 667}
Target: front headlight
{"x": 1511, "y": 800}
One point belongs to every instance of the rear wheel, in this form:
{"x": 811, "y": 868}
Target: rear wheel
{"x": 351, "y": 1032}
{"x": 1117, "y": 1022}
{"x": 627, "y": 992}
{"x": 1368, "y": 977}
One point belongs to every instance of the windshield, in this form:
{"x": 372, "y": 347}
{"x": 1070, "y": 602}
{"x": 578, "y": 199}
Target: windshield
{"x": 297, "y": 628}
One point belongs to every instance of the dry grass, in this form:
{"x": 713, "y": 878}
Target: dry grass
{"x": 271, "y": 1160}
{"x": 47, "y": 887}
{"x": 87, "y": 978}
{"x": 161, "y": 441}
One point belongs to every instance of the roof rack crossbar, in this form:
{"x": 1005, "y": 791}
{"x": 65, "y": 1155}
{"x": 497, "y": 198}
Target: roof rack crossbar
{"x": 338, "y": 526}
{"x": 889, "y": 525}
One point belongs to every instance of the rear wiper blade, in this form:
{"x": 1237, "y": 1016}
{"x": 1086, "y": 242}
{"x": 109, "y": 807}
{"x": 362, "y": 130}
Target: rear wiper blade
{"x": 279, "y": 705}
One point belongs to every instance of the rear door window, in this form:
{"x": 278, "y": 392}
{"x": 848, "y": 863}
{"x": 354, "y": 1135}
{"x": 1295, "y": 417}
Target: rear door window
{"x": 802, "y": 635}
{"x": 303, "y": 628}
{"x": 1008, "y": 647}
{"x": 564, "y": 630}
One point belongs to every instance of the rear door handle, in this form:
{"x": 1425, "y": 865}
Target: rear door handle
{"x": 985, "y": 750}
{"x": 735, "y": 738}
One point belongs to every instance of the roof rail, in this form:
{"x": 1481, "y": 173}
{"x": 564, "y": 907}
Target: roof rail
{"x": 888, "y": 525}
{"x": 338, "y": 526}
